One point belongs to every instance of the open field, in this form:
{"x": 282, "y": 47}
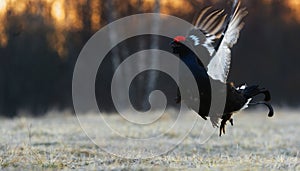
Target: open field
{"x": 255, "y": 142}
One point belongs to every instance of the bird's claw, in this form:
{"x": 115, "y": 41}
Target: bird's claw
{"x": 231, "y": 121}
{"x": 222, "y": 128}
{"x": 223, "y": 123}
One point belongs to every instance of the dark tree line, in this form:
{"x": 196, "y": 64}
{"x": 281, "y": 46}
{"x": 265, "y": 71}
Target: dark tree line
{"x": 34, "y": 77}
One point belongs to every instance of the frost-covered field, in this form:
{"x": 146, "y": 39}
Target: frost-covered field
{"x": 256, "y": 142}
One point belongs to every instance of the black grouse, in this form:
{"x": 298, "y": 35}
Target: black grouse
{"x": 211, "y": 38}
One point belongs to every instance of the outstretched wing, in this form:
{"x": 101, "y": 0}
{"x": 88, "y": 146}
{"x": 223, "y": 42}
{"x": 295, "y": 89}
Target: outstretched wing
{"x": 210, "y": 24}
{"x": 221, "y": 33}
{"x": 218, "y": 67}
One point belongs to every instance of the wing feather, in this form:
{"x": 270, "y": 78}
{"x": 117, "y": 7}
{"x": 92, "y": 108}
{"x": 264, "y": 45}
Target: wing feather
{"x": 216, "y": 26}
{"x": 201, "y": 16}
{"x": 210, "y": 24}
{"x": 210, "y": 18}
{"x": 215, "y": 29}
{"x": 221, "y": 33}
{"x": 218, "y": 67}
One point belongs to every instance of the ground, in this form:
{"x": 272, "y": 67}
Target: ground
{"x": 56, "y": 141}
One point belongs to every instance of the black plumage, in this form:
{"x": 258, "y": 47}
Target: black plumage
{"x": 217, "y": 33}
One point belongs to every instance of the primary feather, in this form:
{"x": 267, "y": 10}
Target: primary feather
{"x": 218, "y": 67}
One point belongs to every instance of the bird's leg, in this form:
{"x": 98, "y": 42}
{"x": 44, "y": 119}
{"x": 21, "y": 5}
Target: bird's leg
{"x": 225, "y": 118}
{"x": 231, "y": 121}
{"x": 222, "y": 127}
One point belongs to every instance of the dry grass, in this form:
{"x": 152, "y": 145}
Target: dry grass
{"x": 58, "y": 142}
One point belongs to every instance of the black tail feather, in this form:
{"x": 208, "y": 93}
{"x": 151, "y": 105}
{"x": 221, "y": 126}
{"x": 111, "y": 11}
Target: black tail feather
{"x": 266, "y": 93}
{"x": 271, "y": 110}
{"x": 252, "y": 91}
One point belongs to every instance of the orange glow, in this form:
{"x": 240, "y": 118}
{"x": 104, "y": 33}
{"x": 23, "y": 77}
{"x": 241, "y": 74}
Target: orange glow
{"x": 20, "y": 8}
{"x": 3, "y": 38}
{"x": 64, "y": 16}
{"x": 57, "y": 41}
{"x": 178, "y": 6}
{"x": 146, "y": 5}
{"x": 294, "y": 6}
{"x": 58, "y": 11}
{"x": 3, "y": 5}
{"x": 73, "y": 20}
{"x": 96, "y": 15}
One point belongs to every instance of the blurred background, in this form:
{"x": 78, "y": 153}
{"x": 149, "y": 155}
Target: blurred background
{"x": 40, "y": 41}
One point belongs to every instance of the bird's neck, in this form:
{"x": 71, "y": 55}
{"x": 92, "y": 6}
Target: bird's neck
{"x": 185, "y": 52}
{"x": 188, "y": 57}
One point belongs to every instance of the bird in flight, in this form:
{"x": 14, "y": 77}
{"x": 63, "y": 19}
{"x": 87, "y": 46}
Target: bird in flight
{"x": 206, "y": 51}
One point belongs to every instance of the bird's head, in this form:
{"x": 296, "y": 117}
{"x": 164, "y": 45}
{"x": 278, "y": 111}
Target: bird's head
{"x": 177, "y": 44}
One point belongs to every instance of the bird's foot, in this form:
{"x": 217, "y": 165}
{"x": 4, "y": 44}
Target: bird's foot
{"x": 223, "y": 123}
{"x": 222, "y": 128}
{"x": 231, "y": 121}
